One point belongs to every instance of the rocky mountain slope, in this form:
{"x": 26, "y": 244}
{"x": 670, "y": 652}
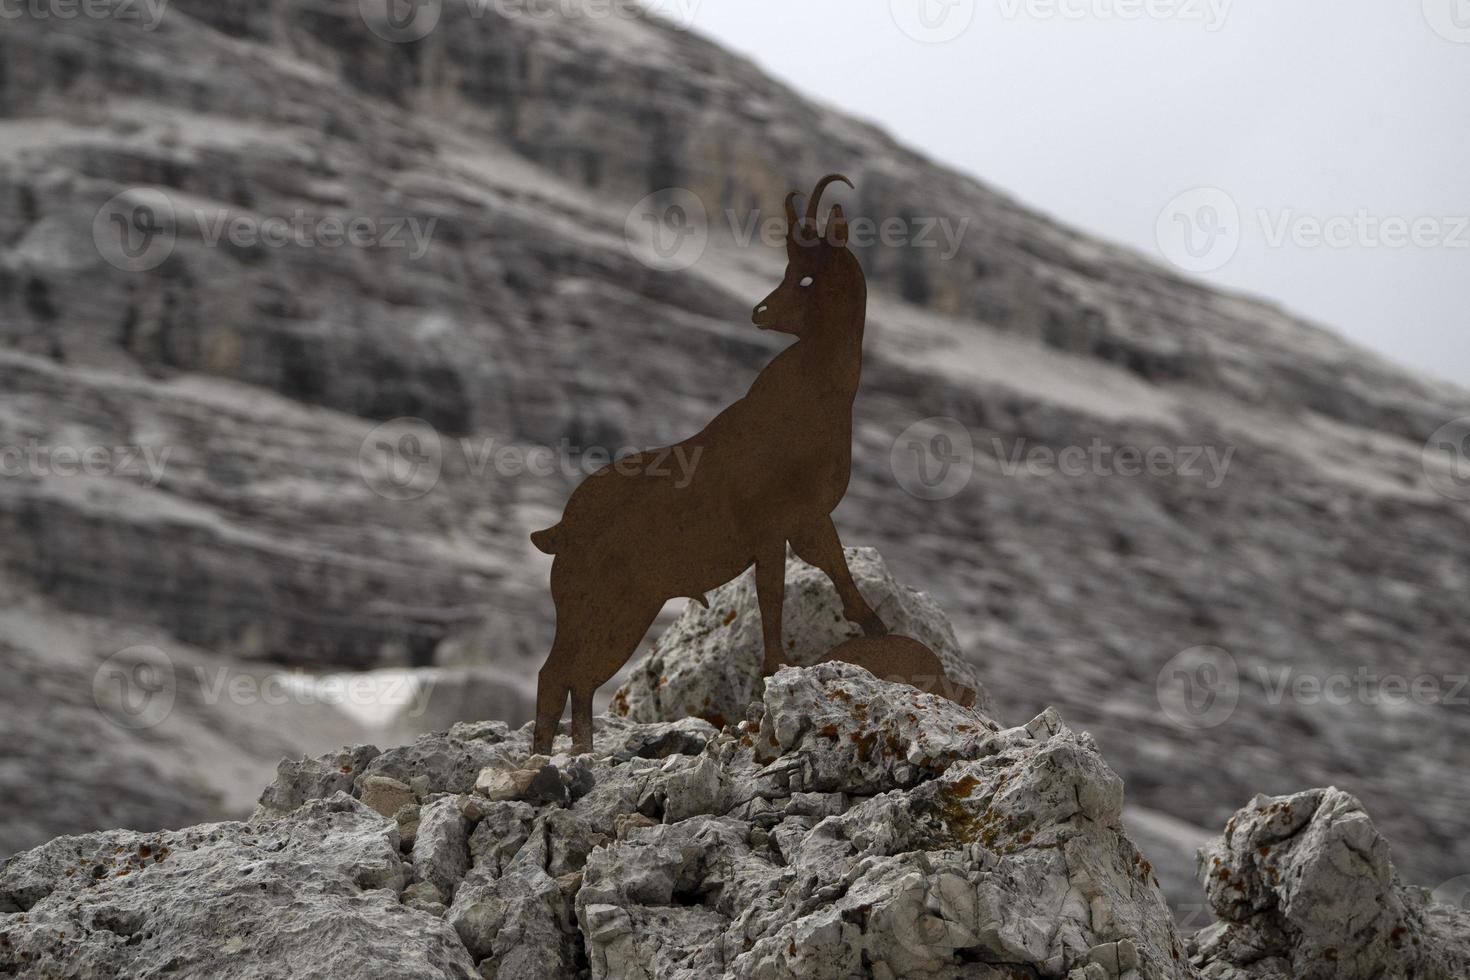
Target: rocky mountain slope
{"x": 270, "y": 537}
{"x": 849, "y": 828}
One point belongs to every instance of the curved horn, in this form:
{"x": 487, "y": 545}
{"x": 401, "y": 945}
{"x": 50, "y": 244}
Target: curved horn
{"x": 811, "y": 204}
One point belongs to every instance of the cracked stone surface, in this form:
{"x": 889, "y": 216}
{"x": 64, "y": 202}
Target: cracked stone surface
{"x": 1305, "y": 889}
{"x": 852, "y": 828}
{"x": 314, "y": 892}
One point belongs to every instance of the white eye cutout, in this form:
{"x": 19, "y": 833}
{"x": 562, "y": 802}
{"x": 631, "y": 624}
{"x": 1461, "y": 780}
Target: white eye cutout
{"x": 806, "y": 281}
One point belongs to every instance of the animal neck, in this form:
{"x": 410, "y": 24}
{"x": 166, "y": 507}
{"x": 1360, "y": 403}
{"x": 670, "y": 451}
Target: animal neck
{"x": 836, "y": 346}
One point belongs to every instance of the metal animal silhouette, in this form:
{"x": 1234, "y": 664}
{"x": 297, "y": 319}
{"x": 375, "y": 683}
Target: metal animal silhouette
{"x": 770, "y": 469}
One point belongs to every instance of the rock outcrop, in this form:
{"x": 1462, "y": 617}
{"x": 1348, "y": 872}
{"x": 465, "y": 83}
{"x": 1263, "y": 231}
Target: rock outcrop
{"x": 851, "y": 828}
{"x": 313, "y": 894}
{"x": 1305, "y": 889}
{"x": 708, "y": 663}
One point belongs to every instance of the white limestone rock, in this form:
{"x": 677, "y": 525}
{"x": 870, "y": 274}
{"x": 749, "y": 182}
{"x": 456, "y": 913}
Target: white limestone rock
{"x": 708, "y": 663}
{"x": 1305, "y": 889}
{"x": 313, "y": 893}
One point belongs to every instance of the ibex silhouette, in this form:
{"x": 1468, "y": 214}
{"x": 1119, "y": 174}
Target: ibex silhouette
{"x": 770, "y": 469}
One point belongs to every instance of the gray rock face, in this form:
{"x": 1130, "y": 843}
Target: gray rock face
{"x": 518, "y": 923}
{"x": 300, "y": 780}
{"x": 855, "y": 827}
{"x": 851, "y": 827}
{"x": 1305, "y": 890}
{"x": 116, "y": 777}
{"x": 708, "y": 663}
{"x": 311, "y": 894}
{"x": 441, "y": 847}
{"x": 181, "y": 748}
{"x": 888, "y": 831}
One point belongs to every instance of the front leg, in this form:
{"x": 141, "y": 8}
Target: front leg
{"x": 770, "y": 593}
{"x": 818, "y": 545}
{"x": 581, "y": 720}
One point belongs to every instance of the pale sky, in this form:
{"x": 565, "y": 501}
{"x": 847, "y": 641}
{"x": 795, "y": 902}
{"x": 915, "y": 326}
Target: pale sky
{"x": 1347, "y": 120}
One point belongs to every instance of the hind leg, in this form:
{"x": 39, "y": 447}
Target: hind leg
{"x": 581, "y": 720}
{"x": 592, "y": 644}
{"x": 613, "y": 642}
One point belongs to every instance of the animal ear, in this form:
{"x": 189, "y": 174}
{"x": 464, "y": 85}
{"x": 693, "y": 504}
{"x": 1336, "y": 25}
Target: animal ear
{"x": 837, "y": 227}
{"x": 799, "y": 231}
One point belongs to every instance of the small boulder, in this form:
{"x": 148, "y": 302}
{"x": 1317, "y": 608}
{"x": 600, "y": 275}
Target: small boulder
{"x": 385, "y": 794}
{"x": 424, "y": 897}
{"x": 300, "y": 780}
{"x": 708, "y": 663}
{"x": 901, "y": 660}
{"x": 498, "y": 784}
{"x": 441, "y": 849}
{"x": 1305, "y": 890}
{"x": 541, "y": 784}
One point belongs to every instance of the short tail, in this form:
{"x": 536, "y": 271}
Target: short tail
{"x": 547, "y": 541}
